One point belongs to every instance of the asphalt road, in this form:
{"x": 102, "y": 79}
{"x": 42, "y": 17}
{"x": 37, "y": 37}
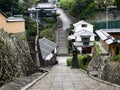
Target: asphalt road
{"x": 64, "y": 18}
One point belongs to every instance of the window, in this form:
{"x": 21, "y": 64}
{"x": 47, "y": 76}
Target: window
{"x": 84, "y": 25}
{"x": 85, "y": 39}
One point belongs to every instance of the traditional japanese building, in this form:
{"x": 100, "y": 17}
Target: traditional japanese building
{"x": 110, "y": 39}
{"x": 45, "y": 9}
{"x": 83, "y": 37}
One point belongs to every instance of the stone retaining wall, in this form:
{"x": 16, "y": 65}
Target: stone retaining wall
{"x": 111, "y": 72}
{"x": 101, "y": 67}
{"x": 15, "y": 59}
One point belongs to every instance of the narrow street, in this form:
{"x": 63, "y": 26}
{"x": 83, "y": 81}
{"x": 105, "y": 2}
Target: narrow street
{"x": 62, "y": 77}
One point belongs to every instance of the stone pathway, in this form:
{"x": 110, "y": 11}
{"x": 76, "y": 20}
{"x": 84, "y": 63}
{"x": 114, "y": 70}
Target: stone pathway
{"x": 62, "y": 77}
{"x": 61, "y": 40}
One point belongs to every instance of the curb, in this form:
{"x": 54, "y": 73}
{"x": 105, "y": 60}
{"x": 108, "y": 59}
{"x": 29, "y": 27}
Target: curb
{"x": 33, "y": 82}
{"x": 106, "y": 82}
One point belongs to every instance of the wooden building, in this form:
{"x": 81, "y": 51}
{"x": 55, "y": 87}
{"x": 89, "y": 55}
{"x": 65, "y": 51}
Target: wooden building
{"x": 110, "y": 39}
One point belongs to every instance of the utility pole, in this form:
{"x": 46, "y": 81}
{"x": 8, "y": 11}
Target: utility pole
{"x": 37, "y": 46}
{"x": 37, "y": 22}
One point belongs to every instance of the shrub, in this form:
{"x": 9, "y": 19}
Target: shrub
{"x": 48, "y": 33}
{"x": 116, "y": 58}
{"x": 69, "y": 61}
{"x": 83, "y": 61}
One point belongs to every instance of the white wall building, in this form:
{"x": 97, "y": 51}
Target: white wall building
{"x": 84, "y": 36}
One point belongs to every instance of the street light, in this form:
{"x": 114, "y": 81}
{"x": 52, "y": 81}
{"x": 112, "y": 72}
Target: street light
{"x": 107, "y": 8}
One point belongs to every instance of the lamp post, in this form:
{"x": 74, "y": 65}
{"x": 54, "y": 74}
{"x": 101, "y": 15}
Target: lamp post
{"x": 107, "y": 9}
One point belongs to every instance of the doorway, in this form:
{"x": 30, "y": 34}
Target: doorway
{"x": 117, "y": 50}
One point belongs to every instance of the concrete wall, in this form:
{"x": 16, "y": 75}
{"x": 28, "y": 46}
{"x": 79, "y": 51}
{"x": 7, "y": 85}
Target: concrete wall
{"x": 15, "y": 27}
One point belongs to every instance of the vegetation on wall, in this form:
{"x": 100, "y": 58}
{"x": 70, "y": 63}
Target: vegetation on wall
{"x": 48, "y": 33}
{"x": 97, "y": 50}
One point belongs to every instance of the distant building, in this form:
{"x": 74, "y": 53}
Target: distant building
{"x": 53, "y": 1}
{"x": 45, "y": 9}
{"x": 110, "y": 39}
{"x": 83, "y": 37}
{"x": 14, "y": 24}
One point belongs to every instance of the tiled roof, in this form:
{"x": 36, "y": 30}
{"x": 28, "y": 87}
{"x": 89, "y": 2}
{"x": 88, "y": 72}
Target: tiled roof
{"x": 81, "y": 22}
{"x": 46, "y": 46}
{"x": 111, "y": 30}
{"x": 13, "y": 19}
{"x": 107, "y": 37}
{"x": 45, "y": 6}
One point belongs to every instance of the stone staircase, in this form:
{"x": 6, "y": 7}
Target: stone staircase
{"x": 61, "y": 40}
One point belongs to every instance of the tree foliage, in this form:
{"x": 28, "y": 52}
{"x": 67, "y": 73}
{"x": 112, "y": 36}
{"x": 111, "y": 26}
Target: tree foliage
{"x": 11, "y": 7}
{"x": 78, "y": 8}
{"x": 117, "y": 3}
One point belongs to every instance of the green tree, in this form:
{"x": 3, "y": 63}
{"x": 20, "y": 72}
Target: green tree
{"x": 117, "y": 3}
{"x": 88, "y": 11}
{"x": 13, "y": 7}
{"x": 77, "y": 8}
{"x": 66, "y": 4}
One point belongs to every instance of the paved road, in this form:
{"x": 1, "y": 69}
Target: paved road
{"x": 62, "y": 77}
{"x": 64, "y": 18}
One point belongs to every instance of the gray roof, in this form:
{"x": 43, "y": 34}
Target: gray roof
{"x": 111, "y": 30}
{"x": 15, "y": 19}
{"x": 46, "y": 46}
{"x": 107, "y": 37}
{"x": 45, "y": 6}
